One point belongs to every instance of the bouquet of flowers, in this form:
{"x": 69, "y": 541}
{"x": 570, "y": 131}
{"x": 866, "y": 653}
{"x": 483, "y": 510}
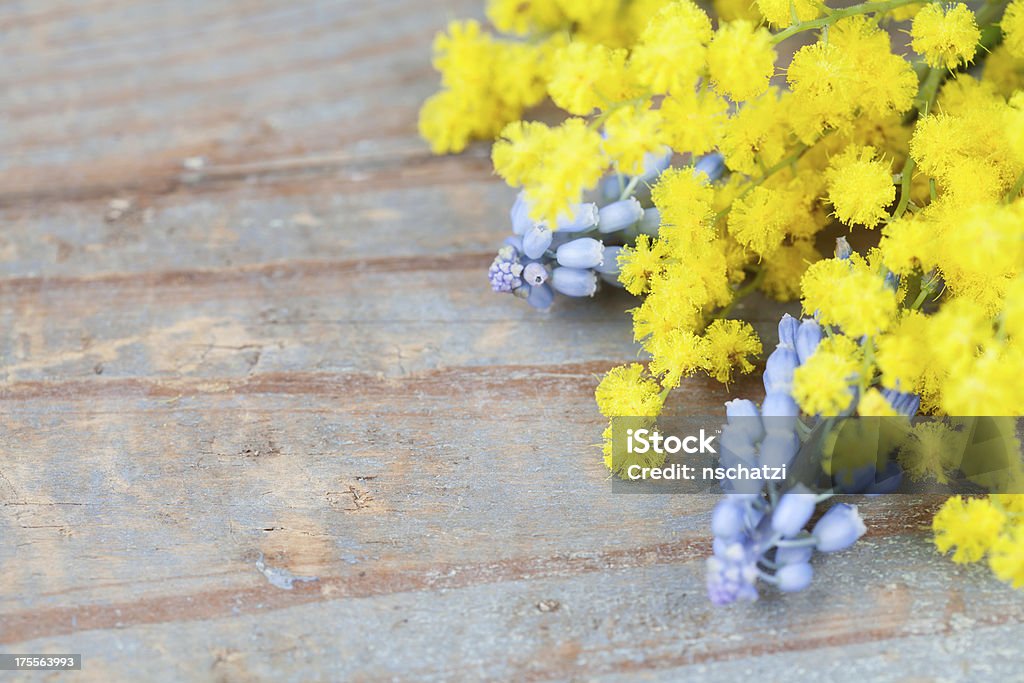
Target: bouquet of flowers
{"x": 700, "y": 159}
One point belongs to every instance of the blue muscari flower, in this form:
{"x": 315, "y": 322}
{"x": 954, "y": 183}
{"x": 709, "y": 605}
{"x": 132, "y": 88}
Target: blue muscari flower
{"x": 795, "y": 577}
{"x": 843, "y": 249}
{"x": 585, "y": 252}
{"x": 763, "y": 537}
{"x": 609, "y": 262}
{"x": 619, "y": 215}
{"x": 655, "y": 164}
{"x": 792, "y": 512}
{"x": 581, "y": 217}
{"x": 574, "y": 281}
{"x": 535, "y": 274}
{"x": 650, "y": 222}
{"x": 712, "y": 165}
{"x": 505, "y": 270}
{"x": 808, "y": 336}
{"x": 520, "y": 215}
{"x": 540, "y": 296}
{"x": 732, "y": 573}
{"x": 902, "y": 402}
{"x": 838, "y": 528}
{"x": 536, "y": 241}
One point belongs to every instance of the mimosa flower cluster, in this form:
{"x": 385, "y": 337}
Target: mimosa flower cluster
{"x": 700, "y": 158}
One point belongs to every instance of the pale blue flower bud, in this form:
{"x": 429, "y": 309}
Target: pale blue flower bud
{"x": 779, "y": 405}
{"x": 843, "y": 250}
{"x": 778, "y": 371}
{"x": 541, "y": 297}
{"x": 787, "y": 331}
{"x": 839, "y": 528}
{"x": 792, "y": 513}
{"x": 536, "y": 241}
{"x": 712, "y": 165}
{"x": 535, "y": 274}
{"x": 655, "y": 163}
{"x": 611, "y": 187}
{"x": 887, "y": 481}
{"x": 574, "y": 281}
{"x": 581, "y": 217}
{"x": 651, "y": 222}
{"x": 515, "y": 241}
{"x": 808, "y": 336}
{"x": 903, "y": 403}
{"x": 727, "y": 519}
{"x": 794, "y": 577}
{"x": 741, "y": 407}
{"x": 520, "y": 215}
{"x": 780, "y": 446}
{"x": 610, "y": 262}
{"x": 585, "y": 252}
{"x": 619, "y": 215}
{"x": 612, "y": 279}
{"x": 796, "y": 555}
{"x": 892, "y": 281}
{"x": 743, "y": 416}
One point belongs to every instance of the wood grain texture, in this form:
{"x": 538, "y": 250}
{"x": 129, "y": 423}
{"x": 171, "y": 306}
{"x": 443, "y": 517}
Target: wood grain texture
{"x": 289, "y": 350}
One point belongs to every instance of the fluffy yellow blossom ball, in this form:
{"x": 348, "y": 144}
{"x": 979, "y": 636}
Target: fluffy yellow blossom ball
{"x": 874, "y": 404}
{"x": 902, "y": 354}
{"x": 860, "y": 187}
{"x": 821, "y": 386}
{"x": 627, "y": 391}
{"x": 779, "y": 13}
{"x": 730, "y": 345}
{"x": 684, "y": 200}
{"x": 520, "y": 151}
{"x": 692, "y": 120}
{"x": 971, "y": 525}
{"x": 741, "y": 60}
{"x": 588, "y": 77}
{"x": 1004, "y": 70}
{"x": 521, "y": 17}
{"x": 756, "y": 136}
{"x": 671, "y": 50}
{"x": 618, "y": 458}
{"x": 731, "y": 10}
{"x": 947, "y": 36}
{"x": 630, "y": 134}
{"x": 1006, "y": 557}
{"x": 848, "y": 293}
{"x": 677, "y": 354}
{"x": 640, "y": 263}
{"x": 761, "y": 220}
{"x": 553, "y": 165}
{"x": 1013, "y": 28}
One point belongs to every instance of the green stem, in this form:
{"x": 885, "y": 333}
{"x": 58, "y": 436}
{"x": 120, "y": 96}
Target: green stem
{"x": 905, "y": 179}
{"x": 630, "y": 188}
{"x": 930, "y": 90}
{"x": 836, "y": 15}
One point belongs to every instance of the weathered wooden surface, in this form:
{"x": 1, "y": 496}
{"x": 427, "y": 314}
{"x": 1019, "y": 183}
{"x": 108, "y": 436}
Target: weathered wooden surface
{"x": 292, "y": 352}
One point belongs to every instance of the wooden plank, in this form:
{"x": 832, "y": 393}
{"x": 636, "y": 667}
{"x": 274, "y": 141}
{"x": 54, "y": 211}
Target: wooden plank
{"x": 288, "y": 360}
